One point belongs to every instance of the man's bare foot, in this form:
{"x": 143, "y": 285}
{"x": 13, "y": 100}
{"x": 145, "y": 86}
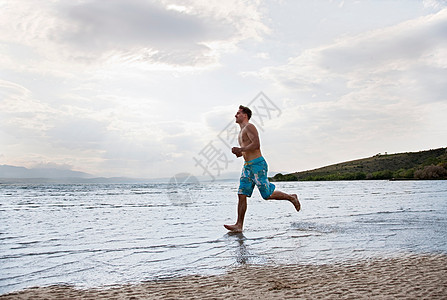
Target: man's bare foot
{"x": 233, "y": 228}
{"x": 295, "y": 202}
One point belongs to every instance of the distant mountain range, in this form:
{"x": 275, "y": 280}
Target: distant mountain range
{"x": 429, "y": 164}
{"x": 7, "y": 171}
{"x": 14, "y": 174}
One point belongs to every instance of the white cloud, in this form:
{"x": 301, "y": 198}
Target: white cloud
{"x": 90, "y": 135}
{"x": 368, "y": 90}
{"x": 355, "y": 59}
{"x": 178, "y": 33}
{"x": 20, "y": 112}
{"x": 436, "y": 4}
{"x": 219, "y": 117}
{"x": 262, "y": 55}
{"x": 77, "y": 133}
{"x": 138, "y": 88}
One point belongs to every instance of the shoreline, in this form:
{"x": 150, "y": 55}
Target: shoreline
{"x": 408, "y": 276}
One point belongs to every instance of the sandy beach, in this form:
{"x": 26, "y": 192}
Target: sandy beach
{"x": 409, "y": 277}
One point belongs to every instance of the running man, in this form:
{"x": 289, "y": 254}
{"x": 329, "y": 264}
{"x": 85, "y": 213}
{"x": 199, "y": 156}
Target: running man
{"x": 254, "y": 171}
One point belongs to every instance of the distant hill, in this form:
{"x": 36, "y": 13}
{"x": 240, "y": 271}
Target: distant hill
{"x": 22, "y": 175}
{"x": 430, "y": 164}
{"x": 7, "y": 171}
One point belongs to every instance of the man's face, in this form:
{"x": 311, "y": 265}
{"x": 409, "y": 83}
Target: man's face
{"x": 240, "y": 116}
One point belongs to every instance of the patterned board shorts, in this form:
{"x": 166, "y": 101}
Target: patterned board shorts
{"x": 255, "y": 173}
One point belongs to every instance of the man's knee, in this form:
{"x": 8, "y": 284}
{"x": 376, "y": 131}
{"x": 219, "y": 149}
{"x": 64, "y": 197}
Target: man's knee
{"x": 267, "y": 193}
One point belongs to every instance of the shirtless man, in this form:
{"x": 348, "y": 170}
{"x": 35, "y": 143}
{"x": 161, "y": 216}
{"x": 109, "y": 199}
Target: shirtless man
{"x": 254, "y": 171}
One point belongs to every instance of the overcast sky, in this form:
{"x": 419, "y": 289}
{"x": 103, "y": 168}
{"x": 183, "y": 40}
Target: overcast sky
{"x": 149, "y": 89}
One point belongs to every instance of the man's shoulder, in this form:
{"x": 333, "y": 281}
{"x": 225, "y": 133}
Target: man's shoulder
{"x": 250, "y": 126}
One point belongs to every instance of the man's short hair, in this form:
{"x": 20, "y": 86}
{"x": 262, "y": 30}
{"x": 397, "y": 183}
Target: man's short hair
{"x": 246, "y": 111}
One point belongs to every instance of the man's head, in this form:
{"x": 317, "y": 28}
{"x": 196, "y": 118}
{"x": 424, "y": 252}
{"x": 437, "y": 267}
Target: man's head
{"x": 242, "y": 113}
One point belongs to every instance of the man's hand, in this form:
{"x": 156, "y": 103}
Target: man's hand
{"x": 237, "y": 151}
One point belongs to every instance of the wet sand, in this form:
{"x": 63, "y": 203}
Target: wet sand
{"x": 409, "y": 277}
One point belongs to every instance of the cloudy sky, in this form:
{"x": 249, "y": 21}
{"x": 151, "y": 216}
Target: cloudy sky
{"x": 147, "y": 88}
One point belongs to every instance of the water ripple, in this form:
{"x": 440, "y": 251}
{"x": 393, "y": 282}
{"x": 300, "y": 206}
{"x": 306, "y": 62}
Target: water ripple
{"x": 102, "y": 234}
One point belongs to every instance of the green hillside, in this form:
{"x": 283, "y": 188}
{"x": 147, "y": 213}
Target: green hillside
{"x": 430, "y": 164}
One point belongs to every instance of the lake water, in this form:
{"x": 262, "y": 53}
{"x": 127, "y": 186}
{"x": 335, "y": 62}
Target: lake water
{"x": 102, "y": 234}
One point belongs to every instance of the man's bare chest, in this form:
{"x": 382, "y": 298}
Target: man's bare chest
{"x": 243, "y": 137}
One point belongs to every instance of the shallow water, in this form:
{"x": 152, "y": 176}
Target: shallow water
{"x": 100, "y": 234}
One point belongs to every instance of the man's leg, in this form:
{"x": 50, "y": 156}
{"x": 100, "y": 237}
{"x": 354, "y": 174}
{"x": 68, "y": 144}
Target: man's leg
{"x": 293, "y": 198}
{"x": 265, "y": 187}
{"x": 241, "y": 209}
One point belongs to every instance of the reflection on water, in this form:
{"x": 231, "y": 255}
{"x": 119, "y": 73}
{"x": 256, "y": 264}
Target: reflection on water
{"x": 242, "y": 255}
{"x": 92, "y": 235}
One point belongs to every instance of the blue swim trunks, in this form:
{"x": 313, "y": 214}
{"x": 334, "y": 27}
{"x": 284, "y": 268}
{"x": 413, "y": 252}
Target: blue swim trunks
{"x": 255, "y": 173}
